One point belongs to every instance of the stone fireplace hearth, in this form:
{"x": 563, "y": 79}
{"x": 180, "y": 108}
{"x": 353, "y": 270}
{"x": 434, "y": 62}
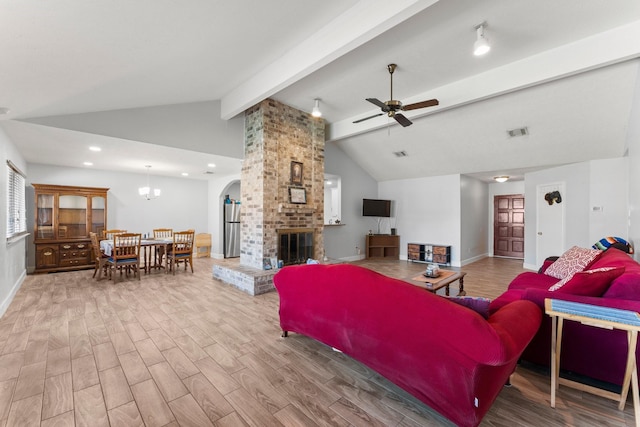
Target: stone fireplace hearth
{"x": 277, "y": 137}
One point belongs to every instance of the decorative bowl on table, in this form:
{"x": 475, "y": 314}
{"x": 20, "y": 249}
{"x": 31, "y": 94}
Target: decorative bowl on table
{"x": 432, "y": 271}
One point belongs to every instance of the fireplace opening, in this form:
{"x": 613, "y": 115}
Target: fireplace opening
{"x": 295, "y": 245}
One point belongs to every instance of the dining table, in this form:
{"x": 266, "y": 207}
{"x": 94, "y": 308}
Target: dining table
{"x": 150, "y": 249}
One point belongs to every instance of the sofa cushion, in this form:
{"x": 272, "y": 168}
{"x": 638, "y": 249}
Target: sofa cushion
{"x": 589, "y": 282}
{"x": 626, "y": 287}
{"x": 478, "y": 304}
{"x": 572, "y": 261}
{"x": 530, "y": 279}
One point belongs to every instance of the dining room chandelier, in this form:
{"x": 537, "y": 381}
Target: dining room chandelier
{"x": 146, "y": 191}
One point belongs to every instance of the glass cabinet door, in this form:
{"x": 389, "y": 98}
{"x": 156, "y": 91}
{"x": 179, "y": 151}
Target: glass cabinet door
{"x": 72, "y": 216}
{"x": 44, "y": 216}
{"x": 97, "y": 215}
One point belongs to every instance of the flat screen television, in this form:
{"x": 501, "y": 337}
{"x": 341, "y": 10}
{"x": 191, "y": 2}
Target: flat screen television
{"x": 373, "y": 207}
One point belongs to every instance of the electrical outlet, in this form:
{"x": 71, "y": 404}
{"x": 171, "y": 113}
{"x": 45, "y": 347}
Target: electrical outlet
{"x": 357, "y": 250}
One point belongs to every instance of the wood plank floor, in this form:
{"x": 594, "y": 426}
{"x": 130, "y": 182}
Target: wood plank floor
{"x": 188, "y": 350}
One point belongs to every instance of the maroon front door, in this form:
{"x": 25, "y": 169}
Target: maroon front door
{"x": 508, "y": 226}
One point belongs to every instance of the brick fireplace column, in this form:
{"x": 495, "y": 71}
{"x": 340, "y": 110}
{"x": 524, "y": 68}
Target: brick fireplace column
{"x": 275, "y": 136}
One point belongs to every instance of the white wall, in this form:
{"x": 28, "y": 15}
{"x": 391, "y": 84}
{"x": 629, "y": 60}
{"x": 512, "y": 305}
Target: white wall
{"x": 587, "y": 184}
{"x": 427, "y": 210}
{"x": 12, "y": 256}
{"x": 633, "y": 144}
{"x": 340, "y": 241}
{"x": 576, "y": 200}
{"x": 182, "y": 205}
{"x": 608, "y": 194}
{"x": 502, "y": 189}
{"x": 473, "y": 220}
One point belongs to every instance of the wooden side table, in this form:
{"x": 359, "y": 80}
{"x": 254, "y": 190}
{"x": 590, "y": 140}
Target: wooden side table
{"x": 601, "y": 317}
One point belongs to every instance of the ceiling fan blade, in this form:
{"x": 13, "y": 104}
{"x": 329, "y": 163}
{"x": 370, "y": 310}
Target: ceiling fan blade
{"x": 423, "y": 104}
{"x": 402, "y": 120}
{"x": 367, "y": 118}
{"x": 379, "y": 103}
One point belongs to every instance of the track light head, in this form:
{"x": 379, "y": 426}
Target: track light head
{"x": 316, "y": 109}
{"x": 481, "y": 46}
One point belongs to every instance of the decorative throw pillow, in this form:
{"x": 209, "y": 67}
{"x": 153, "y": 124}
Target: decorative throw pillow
{"x": 478, "y": 304}
{"x": 572, "y": 261}
{"x": 591, "y": 283}
{"x": 613, "y": 242}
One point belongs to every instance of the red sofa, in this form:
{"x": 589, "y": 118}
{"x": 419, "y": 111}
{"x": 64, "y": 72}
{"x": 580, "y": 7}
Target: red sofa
{"x": 586, "y": 350}
{"x": 446, "y": 355}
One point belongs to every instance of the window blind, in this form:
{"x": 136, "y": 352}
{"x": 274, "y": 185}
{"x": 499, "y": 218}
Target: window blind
{"x": 16, "y": 206}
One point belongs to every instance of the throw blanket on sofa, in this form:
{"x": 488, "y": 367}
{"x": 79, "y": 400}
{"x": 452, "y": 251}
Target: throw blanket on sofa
{"x": 446, "y": 355}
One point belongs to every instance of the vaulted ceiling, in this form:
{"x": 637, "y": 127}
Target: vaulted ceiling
{"x": 104, "y": 72}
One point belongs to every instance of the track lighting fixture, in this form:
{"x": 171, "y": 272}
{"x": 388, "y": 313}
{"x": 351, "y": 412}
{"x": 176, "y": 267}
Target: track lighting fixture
{"x": 481, "y": 46}
{"x": 316, "y": 109}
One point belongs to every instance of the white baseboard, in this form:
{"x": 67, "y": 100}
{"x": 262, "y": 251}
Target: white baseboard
{"x": 7, "y": 301}
{"x": 352, "y": 258}
{"x": 530, "y": 267}
{"x": 473, "y": 259}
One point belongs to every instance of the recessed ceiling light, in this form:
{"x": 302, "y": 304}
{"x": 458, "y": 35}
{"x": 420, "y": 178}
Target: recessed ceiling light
{"x": 185, "y": 174}
{"x": 88, "y": 164}
{"x": 211, "y": 165}
{"x": 94, "y": 148}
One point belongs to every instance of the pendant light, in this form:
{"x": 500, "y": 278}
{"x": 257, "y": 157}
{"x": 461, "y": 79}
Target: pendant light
{"x": 146, "y": 191}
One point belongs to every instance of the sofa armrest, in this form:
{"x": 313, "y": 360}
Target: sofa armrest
{"x": 538, "y": 296}
{"x": 516, "y": 323}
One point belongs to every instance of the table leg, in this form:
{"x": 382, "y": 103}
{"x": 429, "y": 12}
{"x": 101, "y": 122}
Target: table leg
{"x": 462, "y": 291}
{"x": 556, "y": 342}
{"x": 632, "y": 339}
{"x": 446, "y": 290}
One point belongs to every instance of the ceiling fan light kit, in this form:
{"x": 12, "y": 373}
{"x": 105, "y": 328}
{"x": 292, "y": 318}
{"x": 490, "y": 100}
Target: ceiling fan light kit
{"x": 481, "y": 46}
{"x": 392, "y": 106}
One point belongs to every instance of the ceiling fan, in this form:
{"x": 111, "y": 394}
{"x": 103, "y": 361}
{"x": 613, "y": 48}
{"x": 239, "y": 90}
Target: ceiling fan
{"x": 392, "y": 106}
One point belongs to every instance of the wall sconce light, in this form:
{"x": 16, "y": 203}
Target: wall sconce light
{"x": 481, "y": 46}
{"x": 316, "y": 109}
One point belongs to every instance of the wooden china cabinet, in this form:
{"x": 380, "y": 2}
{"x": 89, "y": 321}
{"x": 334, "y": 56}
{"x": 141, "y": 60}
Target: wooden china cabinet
{"x": 64, "y": 216}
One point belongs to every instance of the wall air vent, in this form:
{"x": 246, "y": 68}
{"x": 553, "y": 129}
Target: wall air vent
{"x": 518, "y": 132}
{"x": 400, "y": 153}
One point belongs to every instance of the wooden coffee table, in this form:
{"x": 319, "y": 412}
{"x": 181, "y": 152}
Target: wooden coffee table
{"x": 446, "y": 278}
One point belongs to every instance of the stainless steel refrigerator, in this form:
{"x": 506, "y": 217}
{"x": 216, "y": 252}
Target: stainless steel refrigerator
{"x": 231, "y": 228}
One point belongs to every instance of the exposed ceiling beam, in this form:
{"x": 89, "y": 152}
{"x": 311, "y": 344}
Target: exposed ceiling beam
{"x": 361, "y": 23}
{"x": 610, "y": 47}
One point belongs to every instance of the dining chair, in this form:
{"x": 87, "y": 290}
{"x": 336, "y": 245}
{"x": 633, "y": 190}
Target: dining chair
{"x": 161, "y": 233}
{"x": 181, "y": 250}
{"x": 108, "y": 234}
{"x": 125, "y": 254}
{"x": 98, "y": 256}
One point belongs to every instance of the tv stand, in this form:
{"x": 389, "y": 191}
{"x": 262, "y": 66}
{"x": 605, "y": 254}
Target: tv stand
{"x": 382, "y": 246}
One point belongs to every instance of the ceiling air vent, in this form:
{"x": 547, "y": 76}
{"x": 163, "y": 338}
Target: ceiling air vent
{"x": 518, "y": 132}
{"x": 208, "y": 172}
{"x": 400, "y": 153}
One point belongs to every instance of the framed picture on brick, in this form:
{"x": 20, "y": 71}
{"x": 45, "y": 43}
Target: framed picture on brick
{"x": 297, "y": 195}
{"x": 296, "y": 173}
